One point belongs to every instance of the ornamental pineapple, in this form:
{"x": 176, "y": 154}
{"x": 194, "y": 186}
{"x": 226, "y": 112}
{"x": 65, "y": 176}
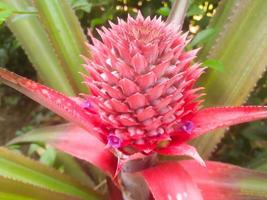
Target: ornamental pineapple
{"x": 142, "y": 82}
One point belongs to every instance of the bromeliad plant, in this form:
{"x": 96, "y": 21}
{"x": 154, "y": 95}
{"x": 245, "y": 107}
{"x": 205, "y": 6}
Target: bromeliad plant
{"x": 143, "y": 103}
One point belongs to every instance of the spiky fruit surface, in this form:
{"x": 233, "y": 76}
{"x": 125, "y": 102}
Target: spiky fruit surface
{"x": 141, "y": 80}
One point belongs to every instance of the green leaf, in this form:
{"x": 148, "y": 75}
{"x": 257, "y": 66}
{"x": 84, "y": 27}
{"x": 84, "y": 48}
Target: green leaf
{"x": 240, "y": 43}
{"x": 164, "y": 11}
{"x": 194, "y": 10}
{"x": 108, "y": 15}
{"x": 83, "y": 5}
{"x": 97, "y": 21}
{"x": 202, "y": 36}
{"x": 214, "y": 64}
{"x": 33, "y": 148}
{"x": 4, "y": 7}
{"x": 15, "y": 190}
{"x": 67, "y": 37}
{"x": 64, "y": 162}
{"x": 255, "y": 132}
{"x": 5, "y": 12}
{"x": 20, "y": 168}
{"x": 4, "y": 15}
{"x": 259, "y": 162}
{"x": 73, "y": 168}
{"x": 48, "y": 157}
{"x": 33, "y": 39}
{"x": 223, "y": 14}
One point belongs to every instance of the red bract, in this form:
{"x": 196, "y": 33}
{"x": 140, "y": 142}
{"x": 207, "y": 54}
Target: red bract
{"x": 143, "y": 101}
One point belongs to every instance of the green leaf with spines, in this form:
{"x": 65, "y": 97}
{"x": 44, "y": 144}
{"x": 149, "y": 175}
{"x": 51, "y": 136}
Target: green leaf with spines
{"x": 64, "y": 162}
{"x": 18, "y": 167}
{"x": 240, "y": 43}
{"x": 72, "y": 167}
{"x": 67, "y": 38}
{"x": 35, "y": 42}
{"x": 15, "y": 190}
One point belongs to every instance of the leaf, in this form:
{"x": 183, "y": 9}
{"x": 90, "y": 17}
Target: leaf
{"x": 5, "y": 12}
{"x": 18, "y": 167}
{"x": 76, "y": 142}
{"x": 4, "y": 7}
{"x": 170, "y": 181}
{"x": 219, "y": 117}
{"x": 63, "y": 162}
{"x": 194, "y": 10}
{"x": 182, "y": 150}
{"x": 97, "y": 21}
{"x": 83, "y": 5}
{"x": 33, "y": 148}
{"x": 15, "y": 190}
{"x": 67, "y": 37}
{"x": 240, "y": 43}
{"x": 53, "y": 100}
{"x": 202, "y": 36}
{"x": 259, "y": 162}
{"x": 72, "y": 167}
{"x": 164, "y": 11}
{"x": 254, "y": 132}
{"x": 48, "y": 157}
{"x": 4, "y": 15}
{"x": 223, "y": 181}
{"x": 214, "y": 64}
{"x": 107, "y": 15}
{"x": 36, "y": 44}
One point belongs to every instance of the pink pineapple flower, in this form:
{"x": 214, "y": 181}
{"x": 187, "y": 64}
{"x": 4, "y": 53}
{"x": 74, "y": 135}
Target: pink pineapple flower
{"x": 142, "y": 81}
{"x": 142, "y": 101}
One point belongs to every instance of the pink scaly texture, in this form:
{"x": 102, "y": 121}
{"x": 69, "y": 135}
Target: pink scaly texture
{"x": 142, "y": 82}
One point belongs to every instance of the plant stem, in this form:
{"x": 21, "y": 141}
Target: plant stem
{"x": 134, "y": 186}
{"x": 178, "y": 12}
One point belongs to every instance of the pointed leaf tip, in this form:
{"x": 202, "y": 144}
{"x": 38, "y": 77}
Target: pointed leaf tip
{"x": 182, "y": 150}
{"x": 53, "y": 100}
{"x": 219, "y": 117}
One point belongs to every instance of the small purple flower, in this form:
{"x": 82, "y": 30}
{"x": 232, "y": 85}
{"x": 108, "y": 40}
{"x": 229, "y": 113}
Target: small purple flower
{"x": 86, "y": 105}
{"x": 113, "y": 141}
{"x": 187, "y": 126}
